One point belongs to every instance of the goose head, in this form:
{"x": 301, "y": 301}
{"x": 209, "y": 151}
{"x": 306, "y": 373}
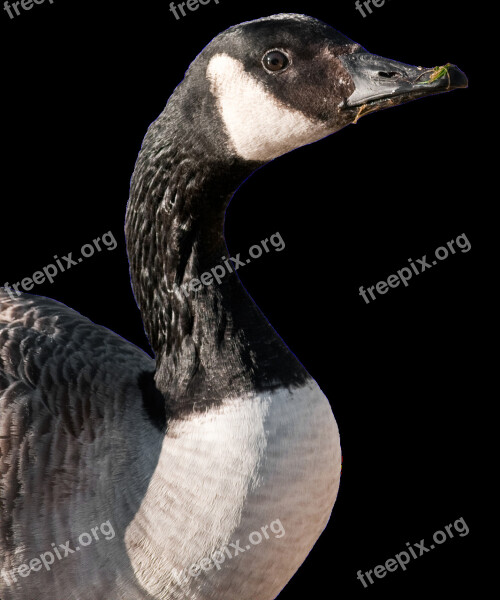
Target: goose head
{"x": 280, "y": 82}
{"x": 257, "y": 91}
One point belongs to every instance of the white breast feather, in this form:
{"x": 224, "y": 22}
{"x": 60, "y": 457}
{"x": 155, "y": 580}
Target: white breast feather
{"x": 227, "y": 473}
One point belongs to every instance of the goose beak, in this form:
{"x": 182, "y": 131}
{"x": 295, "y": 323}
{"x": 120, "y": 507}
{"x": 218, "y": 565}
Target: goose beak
{"x": 381, "y": 82}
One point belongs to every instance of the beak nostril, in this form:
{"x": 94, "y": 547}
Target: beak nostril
{"x": 389, "y": 75}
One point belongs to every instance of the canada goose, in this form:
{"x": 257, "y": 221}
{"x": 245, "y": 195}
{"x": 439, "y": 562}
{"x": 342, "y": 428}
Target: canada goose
{"x": 225, "y": 434}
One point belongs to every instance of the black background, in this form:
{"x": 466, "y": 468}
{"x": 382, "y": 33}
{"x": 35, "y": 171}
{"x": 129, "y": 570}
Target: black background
{"x": 82, "y": 80}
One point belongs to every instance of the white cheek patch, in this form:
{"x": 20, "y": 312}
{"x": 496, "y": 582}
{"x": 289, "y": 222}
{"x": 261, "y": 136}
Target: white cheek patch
{"x": 259, "y": 126}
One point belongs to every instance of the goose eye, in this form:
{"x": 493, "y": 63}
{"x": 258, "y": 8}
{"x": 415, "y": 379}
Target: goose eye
{"x": 275, "y": 61}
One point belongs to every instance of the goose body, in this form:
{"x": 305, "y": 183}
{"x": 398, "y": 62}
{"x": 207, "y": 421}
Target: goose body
{"x": 223, "y": 447}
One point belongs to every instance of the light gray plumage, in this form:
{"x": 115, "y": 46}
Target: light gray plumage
{"x": 72, "y": 443}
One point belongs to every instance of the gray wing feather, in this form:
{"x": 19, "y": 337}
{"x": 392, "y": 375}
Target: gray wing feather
{"x": 63, "y": 381}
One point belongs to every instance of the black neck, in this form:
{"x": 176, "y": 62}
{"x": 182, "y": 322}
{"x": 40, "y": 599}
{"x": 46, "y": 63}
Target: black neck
{"x": 212, "y": 342}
